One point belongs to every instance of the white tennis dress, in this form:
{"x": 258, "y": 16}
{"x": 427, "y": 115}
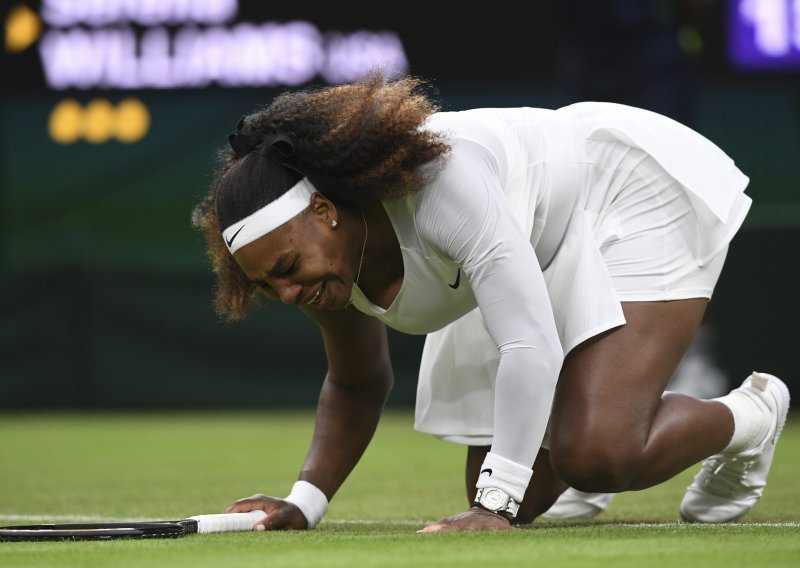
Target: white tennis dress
{"x": 544, "y": 220}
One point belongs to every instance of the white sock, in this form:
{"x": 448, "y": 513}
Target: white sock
{"x": 750, "y": 420}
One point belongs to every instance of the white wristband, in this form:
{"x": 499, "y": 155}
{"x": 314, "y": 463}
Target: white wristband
{"x": 504, "y": 474}
{"x": 310, "y": 500}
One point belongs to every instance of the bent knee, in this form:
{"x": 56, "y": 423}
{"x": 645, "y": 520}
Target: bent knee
{"x": 593, "y": 467}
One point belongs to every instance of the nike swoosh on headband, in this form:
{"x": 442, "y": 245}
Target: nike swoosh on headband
{"x": 230, "y": 241}
{"x": 487, "y": 471}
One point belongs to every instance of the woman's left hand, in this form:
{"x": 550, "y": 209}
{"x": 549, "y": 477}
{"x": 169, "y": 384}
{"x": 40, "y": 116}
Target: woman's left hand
{"x": 476, "y": 519}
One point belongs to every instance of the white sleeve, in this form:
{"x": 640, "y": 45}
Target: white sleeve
{"x": 465, "y": 215}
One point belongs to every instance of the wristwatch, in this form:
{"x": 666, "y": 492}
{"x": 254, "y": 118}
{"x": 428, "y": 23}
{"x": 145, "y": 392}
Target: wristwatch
{"x": 496, "y": 500}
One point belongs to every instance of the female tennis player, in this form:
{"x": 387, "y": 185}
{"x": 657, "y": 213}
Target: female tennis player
{"x": 588, "y": 239}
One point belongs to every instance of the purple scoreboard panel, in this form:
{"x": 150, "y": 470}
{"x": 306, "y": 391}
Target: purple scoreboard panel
{"x": 764, "y": 35}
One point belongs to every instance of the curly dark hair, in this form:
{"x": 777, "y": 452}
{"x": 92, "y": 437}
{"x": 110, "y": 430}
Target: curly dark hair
{"x": 355, "y": 142}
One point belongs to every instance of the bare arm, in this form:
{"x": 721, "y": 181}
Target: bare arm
{"x": 358, "y": 382}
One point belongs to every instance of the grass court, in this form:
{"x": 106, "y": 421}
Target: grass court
{"x": 108, "y": 466}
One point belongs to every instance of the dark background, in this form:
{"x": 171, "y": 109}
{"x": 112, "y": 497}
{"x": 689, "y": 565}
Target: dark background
{"x": 105, "y": 293}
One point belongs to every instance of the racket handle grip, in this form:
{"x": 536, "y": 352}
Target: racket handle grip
{"x": 230, "y": 522}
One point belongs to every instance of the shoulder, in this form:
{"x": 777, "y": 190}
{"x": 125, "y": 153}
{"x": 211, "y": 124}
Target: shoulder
{"x": 480, "y": 125}
{"x": 472, "y": 169}
{"x": 480, "y": 146}
{"x": 498, "y": 137}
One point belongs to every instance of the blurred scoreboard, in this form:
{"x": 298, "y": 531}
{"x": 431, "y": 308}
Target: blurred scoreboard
{"x": 167, "y": 44}
{"x": 80, "y": 47}
{"x": 189, "y": 44}
{"x": 124, "y": 45}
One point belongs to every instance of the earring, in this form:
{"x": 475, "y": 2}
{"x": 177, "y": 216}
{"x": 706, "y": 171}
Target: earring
{"x": 334, "y": 223}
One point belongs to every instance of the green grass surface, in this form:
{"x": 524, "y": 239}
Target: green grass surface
{"x": 152, "y": 466}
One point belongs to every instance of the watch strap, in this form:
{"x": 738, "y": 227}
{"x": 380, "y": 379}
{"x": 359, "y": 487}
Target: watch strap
{"x": 511, "y": 505}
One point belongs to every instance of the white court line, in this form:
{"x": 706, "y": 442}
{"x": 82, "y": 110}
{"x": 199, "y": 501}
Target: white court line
{"x": 550, "y": 525}
{"x": 404, "y": 522}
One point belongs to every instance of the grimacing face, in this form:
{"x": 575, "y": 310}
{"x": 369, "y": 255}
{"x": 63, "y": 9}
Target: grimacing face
{"x": 304, "y": 261}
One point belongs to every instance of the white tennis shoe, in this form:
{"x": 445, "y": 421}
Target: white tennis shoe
{"x": 729, "y": 485}
{"x": 574, "y": 504}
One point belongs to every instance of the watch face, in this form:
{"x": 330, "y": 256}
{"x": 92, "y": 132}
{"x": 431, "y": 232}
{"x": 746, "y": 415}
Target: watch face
{"x": 493, "y": 499}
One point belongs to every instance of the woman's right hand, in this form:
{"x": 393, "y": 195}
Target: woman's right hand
{"x": 280, "y": 514}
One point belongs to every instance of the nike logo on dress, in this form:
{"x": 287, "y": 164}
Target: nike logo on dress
{"x": 455, "y": 284}
{"x": 230, "y": 241}
{"x": 487, "y": 471}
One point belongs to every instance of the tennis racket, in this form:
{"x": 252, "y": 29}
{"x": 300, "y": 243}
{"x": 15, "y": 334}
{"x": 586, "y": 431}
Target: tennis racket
{"x": 199, "y": 524}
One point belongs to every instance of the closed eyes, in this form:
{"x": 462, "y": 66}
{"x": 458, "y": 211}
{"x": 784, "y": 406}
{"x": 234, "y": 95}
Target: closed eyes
{"x": 286, "y": 264}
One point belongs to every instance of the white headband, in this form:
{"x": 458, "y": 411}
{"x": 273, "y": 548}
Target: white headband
{"x": 269, "y": 217}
